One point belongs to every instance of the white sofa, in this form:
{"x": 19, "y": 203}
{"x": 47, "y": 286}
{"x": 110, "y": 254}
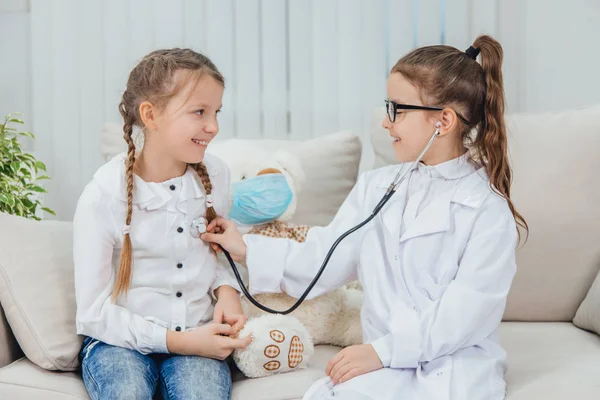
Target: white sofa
{"x": 556, "y": 187}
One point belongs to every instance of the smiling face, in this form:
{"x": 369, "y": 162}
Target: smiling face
{"x": 413, "y": 128}
{"x": 188, "y": 123}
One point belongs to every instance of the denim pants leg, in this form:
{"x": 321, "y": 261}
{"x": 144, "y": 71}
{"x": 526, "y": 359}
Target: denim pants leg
{"x": 111, "y": 372}
{"x": 193, "y": 378}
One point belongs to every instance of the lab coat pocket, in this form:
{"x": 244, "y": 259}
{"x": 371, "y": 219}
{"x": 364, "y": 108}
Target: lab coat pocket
{"x": 432, "y": 289}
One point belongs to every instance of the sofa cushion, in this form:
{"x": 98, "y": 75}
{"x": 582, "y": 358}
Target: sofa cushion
{"x": 550, "y": 361}
{"x": 25, "y": 380}
{"x": 555, "y": 163}
{"x": 330, "y": 162}
{"x": 588, "y": 314}
{"x": 37, "y": 290}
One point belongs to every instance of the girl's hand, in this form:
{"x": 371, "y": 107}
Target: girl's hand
{"x": 224, "y": 232}
{"x": 210, "y": 340}
{"x": 351, "y": 362}
{"x": 228, "y": 309}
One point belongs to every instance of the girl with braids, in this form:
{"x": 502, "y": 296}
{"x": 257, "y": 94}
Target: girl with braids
{"x": 437, "y": 263}
{"x": 146, "y": 285}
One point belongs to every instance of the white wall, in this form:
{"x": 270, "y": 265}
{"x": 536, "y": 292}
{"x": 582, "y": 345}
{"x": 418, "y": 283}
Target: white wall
{"x": 562, "y": 56}
{"x": 15, "y": 60}
{"x": 294, "y": 68}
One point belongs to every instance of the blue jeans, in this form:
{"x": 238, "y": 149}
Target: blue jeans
{"x": 116, "y": 373}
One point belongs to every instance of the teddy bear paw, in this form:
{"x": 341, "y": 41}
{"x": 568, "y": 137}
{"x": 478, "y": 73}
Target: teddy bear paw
{"x": 294, "y": 352}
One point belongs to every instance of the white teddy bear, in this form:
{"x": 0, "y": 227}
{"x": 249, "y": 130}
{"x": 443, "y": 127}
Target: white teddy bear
{"x": 284, "y": 342}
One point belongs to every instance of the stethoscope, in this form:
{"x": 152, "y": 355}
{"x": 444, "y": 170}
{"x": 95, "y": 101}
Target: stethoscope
{"x": 199, "y": 226}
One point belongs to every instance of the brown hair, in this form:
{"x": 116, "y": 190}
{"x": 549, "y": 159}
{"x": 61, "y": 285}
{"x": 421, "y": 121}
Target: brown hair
{"x": 447, "y": 76}
{"x": 152, "y": 80}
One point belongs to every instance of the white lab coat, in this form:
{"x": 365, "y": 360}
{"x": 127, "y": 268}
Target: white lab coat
{"x": 434, "y": 295}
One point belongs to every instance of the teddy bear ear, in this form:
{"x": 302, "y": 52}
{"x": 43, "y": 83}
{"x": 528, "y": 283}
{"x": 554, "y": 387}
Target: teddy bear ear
{"x": 292, "y": 165}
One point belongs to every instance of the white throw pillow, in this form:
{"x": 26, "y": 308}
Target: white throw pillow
{"x": 37, "y": 289}
{"x": 556, "y": 188}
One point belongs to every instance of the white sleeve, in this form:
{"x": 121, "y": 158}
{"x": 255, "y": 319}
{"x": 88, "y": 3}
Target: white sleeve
{"x": 470, "y": 309}
{"x": 224, "y": 277}
{"x": 94, "y": 239}
{"x": 277, "y": 265}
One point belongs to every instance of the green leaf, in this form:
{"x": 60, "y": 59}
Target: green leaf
{"x": 30, "y": 165}
{"x": 37, "y": 189}
{"x": 10, "y": 200}
{"x": 27, "y": 134}
{"x": 15, "y": 166}
{"x": 39, "y": 178}
{"x": 3, "y": 198}
{"x": 49, "y": 211}
{"x": 28, "y": 203}
{"x": 16, "y": 121}
{"x": 40, "y": 165}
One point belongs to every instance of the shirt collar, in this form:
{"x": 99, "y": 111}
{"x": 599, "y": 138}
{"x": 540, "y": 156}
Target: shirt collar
{"x": 452, "y": 169}
{"x": 147, "y": 195}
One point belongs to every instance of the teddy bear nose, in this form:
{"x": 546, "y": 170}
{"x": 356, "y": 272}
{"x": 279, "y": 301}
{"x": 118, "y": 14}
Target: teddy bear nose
{"x": 268, "y": 171}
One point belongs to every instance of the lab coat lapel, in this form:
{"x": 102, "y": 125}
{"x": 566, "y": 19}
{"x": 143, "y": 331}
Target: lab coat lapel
{"x": 391, "y": 213}
{"x": 390, "y": 218}
{"x": 434, "y": 218}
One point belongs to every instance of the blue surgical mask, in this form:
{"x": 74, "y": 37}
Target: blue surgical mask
{"x": 261, "y": 199}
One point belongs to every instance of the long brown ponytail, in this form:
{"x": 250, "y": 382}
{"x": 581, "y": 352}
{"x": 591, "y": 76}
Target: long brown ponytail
{"x": 491, "y": 142}
{"x": 450, "y": 77}
{"x": 152, "y": 80}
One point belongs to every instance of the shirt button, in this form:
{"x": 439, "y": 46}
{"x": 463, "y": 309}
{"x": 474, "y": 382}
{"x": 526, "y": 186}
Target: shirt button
{"x": 396, "y": 258}
{"x": 179, "y": 265}
{"x": 180, "y": 229}
{"x": 179, "y": 294}
{"x": 172, "y": 187}
{"x": 178, "y": 329}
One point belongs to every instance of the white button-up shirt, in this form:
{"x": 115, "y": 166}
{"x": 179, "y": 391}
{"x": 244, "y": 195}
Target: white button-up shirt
{"x": 173, "y": 273}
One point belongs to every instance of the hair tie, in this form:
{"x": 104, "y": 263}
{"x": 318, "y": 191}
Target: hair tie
{"x": 472, "y": 52}
{"x": 126, "y": 229}
{"x": 209, "y": 201}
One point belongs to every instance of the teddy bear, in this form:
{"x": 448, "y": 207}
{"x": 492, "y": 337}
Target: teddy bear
{"x": 283, "y": 343}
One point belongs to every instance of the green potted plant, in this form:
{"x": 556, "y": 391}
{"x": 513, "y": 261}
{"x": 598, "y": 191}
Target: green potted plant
{"x": 19, "y": 174}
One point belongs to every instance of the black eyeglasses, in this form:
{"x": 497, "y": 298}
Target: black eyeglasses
{"x": 393, "y": 107}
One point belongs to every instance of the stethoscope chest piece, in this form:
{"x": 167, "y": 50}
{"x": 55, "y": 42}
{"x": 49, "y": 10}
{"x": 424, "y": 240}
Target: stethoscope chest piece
{"x": 198, "y": 226}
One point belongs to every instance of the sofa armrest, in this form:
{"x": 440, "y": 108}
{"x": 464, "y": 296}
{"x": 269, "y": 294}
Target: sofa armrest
{"x": 9, "y": 348}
